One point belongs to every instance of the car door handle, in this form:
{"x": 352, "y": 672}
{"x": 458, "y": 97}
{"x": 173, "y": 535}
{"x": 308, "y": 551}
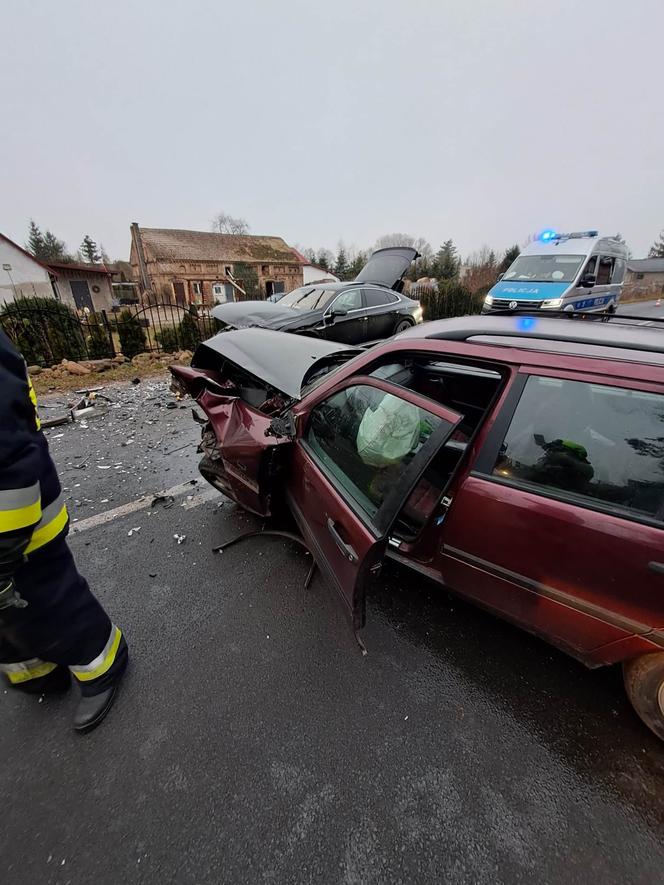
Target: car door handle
{"x": 657, "y": 567}
{"x": 345, "y": 548}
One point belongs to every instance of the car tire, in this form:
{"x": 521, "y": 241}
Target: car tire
{"x": 401, "y": 326}
{"x": 644, "y": 683}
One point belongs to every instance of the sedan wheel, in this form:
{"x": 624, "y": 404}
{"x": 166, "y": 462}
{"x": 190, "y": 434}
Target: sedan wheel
{"x": 644, "y": 682}
{"x": 401, "y": 326}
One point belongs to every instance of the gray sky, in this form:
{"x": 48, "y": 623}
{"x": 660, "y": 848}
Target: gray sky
{"x": 481, "y": 121}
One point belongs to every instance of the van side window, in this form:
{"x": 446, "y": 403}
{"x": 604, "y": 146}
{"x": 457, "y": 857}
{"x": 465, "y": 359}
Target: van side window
{"x": 591, "y": 267}
{"x": 619, "y": 270}
{"x": 605, "y": 270}
{"x": 588, "y": 441}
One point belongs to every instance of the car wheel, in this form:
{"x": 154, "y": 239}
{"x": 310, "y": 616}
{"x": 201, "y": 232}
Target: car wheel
{"x": 401, "y": 326}
{"x": 644, "y": 682}
{"x": 609, "y": 312}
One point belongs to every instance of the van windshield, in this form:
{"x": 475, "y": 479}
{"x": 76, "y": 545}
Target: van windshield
{"x": 545, "y": 268}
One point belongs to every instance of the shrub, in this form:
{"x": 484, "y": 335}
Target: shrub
{"x": 132, "y": 336}
{"x": 189, "y": 333}
{"x": 450, "y": 299}
{"x": 167, "y": 339}
{"x": 44, "y": 330}
{"x": 98, "y": 341}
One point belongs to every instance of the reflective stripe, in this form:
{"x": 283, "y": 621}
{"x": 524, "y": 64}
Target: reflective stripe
{"x": 53, "y": 521}
{"x": 20, "y": 508}
{"x": 33, "y": 400}
{"x": 103, "y": 662}
{"x": 24, "y": 671}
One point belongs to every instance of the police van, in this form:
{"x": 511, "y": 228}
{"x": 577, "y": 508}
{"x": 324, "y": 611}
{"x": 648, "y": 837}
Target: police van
{"x": 574, "y": 271}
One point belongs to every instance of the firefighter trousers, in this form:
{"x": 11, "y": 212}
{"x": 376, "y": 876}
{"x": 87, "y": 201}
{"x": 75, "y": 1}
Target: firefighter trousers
{"x": 62, "y": 625}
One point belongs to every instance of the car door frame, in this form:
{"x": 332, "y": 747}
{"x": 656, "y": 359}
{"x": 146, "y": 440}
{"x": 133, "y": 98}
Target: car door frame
{"x": 389, "y": 310}
{"x": 362, "y": 321}
{"x": 381, "y": 524}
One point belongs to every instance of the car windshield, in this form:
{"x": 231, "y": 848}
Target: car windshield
{"x": 307, "y": 298}
{"x": 545, "y": 268}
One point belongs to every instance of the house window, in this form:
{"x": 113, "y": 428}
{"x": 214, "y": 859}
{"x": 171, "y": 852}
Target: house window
{"x": 197, "y": 292}
{"x": 228, "y": 270}
{"x": 265, "y": 269}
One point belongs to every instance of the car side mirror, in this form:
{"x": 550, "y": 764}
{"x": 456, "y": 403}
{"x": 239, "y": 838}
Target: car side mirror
{"x": 588, "y": 280}
{"x": 499, "y": 277}
{"x": 339, "y": 312}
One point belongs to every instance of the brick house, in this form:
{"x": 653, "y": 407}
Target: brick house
{"x": 196, "y": 267}
{"x": 645, "y": 277}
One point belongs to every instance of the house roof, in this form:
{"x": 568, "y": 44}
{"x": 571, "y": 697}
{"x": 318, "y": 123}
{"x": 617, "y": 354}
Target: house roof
{"x": 194, "y": 245}
{"x": 21, "y": 249}
{"x": 79, "y": 267}
{"x": 646, "y": 265}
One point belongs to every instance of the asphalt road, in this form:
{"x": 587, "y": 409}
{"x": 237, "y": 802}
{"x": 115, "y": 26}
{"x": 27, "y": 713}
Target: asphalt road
{"x": 647, "y": 310}
{"x": 253, "y": 743}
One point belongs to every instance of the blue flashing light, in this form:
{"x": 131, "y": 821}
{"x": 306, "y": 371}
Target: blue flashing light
{"x": 547, "y": 235}
{"x": 526, "y": 324}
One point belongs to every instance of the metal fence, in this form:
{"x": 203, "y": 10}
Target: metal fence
{"x": 47, "y": 331}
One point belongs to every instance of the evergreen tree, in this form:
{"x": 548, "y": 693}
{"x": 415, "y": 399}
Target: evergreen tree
{"x": 356, "y": 265}
{"x": 341, "y": 263}
{"x": 35, "y": 244}
{"x": 510, "y": 255}
{"x": 446, "y": 262}
{"x": 657, "y": 249}
{"x": 324, "y": 259}
{"x": 54, "y": 249}
{"x": 89, "y": 250}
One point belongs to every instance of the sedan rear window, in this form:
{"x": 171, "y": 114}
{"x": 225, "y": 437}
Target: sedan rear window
{"x": 307, "y": 298}
{"x": 590, "y": 440}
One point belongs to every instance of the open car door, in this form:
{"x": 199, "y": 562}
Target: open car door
{"x": 362, "y": 448}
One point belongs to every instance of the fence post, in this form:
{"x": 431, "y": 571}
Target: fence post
{"x": 109, "y": 332}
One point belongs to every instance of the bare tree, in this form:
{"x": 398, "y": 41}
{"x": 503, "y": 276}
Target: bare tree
{"x": 227, "y": 224}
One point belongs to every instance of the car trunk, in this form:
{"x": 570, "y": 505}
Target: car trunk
{"x": 245, "y": 382}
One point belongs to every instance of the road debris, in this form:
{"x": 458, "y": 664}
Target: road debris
{"x": 165, "y": 501}
{"x": 133, "y": 531}
{"x": 180, "y": 538}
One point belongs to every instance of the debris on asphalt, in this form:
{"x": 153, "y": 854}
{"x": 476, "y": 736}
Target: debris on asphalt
{"x": 165, "y": 501}
{"x": 180, "y": 538}
{"x": 56, "y": 422}
{"x": 133, "y": 531}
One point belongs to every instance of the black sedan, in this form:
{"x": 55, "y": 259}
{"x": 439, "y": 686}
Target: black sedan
{"x": 371, "y": 307}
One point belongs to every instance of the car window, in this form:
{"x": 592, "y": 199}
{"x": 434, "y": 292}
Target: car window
{"x": 618, "y": 270}
{"x": 605, "y": 270}
{"x": 351, "y": 300}
{"x": 374, "y": 297}
{"x": 591, "y": 440}
{"x": 366, "y": 438}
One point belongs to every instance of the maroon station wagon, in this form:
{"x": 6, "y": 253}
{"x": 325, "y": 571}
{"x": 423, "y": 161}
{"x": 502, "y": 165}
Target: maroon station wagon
{"x": 517, "y": 460}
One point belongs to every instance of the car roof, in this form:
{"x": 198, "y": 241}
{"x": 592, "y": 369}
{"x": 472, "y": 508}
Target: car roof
{"x": 644, "y": 343}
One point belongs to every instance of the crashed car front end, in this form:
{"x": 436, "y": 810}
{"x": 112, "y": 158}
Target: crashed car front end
{"x": 245, "y": 382}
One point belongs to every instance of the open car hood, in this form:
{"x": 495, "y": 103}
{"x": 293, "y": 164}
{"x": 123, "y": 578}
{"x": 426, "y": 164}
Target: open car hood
{"x": 283, "y": 361}
{"x": 387, "y": 266}
{"x": 264, "y": 314}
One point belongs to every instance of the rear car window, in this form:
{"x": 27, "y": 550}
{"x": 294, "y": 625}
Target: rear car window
{"x": 597, "y": 442}
{"x": 375, "y": 298}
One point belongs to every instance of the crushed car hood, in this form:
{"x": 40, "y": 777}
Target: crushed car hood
{"x": 280, "y": 359}
{"x": 264, "y": 314}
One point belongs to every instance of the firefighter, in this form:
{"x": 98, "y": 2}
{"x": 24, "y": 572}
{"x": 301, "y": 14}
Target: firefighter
{"x": 51, "y": 626}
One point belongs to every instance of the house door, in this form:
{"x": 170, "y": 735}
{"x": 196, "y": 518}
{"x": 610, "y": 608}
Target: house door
{"x": 178, "y": 288}
{"x": 81, "y": 292}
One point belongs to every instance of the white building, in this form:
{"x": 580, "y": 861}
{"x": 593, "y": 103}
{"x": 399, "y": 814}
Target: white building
{"x": 22, "y": 275}
{"x": 312, "y": 273}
